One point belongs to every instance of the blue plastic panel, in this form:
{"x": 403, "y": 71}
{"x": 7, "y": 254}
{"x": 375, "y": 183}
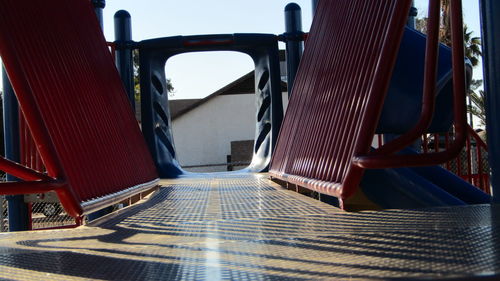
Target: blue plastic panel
{"x": 403, "y": 103}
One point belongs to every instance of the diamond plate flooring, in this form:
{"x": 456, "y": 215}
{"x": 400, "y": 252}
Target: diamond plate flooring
{"x": 244, "y": 227}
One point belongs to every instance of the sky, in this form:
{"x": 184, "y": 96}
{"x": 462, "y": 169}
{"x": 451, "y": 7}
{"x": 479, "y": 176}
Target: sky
{"x": 200, "y": 74}
{"x": 196, "y": 75}
{"x": 471, "y": 19}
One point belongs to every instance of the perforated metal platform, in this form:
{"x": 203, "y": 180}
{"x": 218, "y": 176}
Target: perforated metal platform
{"x": 246, "y": 227}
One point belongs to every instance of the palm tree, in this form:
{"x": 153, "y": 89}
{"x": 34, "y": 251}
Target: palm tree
{"x": 472, "y": 46}
{"x": 445, "y": 28}
{"x": 477, "y": 107}
{"x": 137, "y": 88}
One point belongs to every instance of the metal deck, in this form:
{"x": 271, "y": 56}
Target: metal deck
{"x": 246, "y": 227}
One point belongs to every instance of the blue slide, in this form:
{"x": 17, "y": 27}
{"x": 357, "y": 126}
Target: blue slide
{"x": 433, "y": 186}
{"x": 424, "y": 186}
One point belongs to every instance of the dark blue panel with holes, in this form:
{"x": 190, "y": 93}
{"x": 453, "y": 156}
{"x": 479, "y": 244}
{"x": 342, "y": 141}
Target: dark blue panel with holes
{"x": 156, "y": 124}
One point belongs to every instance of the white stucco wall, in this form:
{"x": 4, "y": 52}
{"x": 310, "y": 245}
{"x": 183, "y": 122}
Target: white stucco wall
{"x": 203, "y": 135}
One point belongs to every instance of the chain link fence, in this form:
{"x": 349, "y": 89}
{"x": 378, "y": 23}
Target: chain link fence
{"x": 4, "y": 215}
{"x": 42, "y": 214}
{"x": 46, "y": 211}
{"x": 4, "y": 222}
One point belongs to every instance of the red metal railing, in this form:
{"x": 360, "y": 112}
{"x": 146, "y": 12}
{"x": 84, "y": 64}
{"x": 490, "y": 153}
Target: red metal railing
{"x": 30, "y": 157}
{"x": 333, "y": 120}
{"x": 338, "y": 94}
{"x": 384, "y": 157}
{"x": 471, "y": 164}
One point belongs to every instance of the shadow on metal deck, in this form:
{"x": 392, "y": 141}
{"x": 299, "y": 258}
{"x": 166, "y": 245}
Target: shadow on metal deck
{"x": 247, "y": 227}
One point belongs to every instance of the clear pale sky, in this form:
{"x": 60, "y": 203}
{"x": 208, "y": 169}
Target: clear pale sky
{"x": 471, "y": 19}
{"x": 197, "y": 75}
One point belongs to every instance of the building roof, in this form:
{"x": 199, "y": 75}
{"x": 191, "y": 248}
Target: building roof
{"x": 241, "y": 86}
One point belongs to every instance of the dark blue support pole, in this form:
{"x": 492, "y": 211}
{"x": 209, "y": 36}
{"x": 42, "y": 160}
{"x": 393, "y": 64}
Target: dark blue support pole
{"x": 124, "y": 63}
{"x": 314, "y": 4}
{"x": 294, "y": 42}
{"x": 98, "y": 7}
{"x": 412, "y": 16}
{"x": 17, "y": 209}
{"x": 490, "y": 26}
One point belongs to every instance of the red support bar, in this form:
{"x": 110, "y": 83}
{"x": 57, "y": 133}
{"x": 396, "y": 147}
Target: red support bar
{"x": 477, "y": 138}
{"x": 29, "y": 155}
{"x": 468, "y": 153}
{"x": 430, "y": 76}
{"x": 17, "y": 188}
{"x": 378, "y": 160}
{"x": 73, "y": 101}
{"x": 338, "y": 94}
{"x": 482, "y": 184}
{"x": 459, "y": 165}
{"x": 20, "y": 171}
{"x": 447, "y": 145}
{"x": 483, "y": 178}
{"x": 475, "y": 178}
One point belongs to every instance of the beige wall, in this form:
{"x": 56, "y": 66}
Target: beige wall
{"x": 203, "y": 135}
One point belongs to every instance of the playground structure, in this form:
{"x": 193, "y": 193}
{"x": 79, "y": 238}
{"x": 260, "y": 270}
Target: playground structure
{"x": 226, "y": 199}
{"x": 262, "y": 48}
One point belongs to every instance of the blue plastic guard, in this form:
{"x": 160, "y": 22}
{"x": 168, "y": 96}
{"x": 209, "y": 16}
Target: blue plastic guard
{"x": 403, "y": 103}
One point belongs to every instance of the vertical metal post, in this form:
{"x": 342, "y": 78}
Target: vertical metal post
{"x": 124, "y": 63}
{"x": 17, "y": 209}
{"x": 98, "y": 7}
{"x": 294, "y": 42}
{"x": 490, "y": 26}
{"x": 2, "y": 217}
{"x": 412, "y": 16}
{"x": 314, "y": 4}
{"x": 469, "y": 104}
